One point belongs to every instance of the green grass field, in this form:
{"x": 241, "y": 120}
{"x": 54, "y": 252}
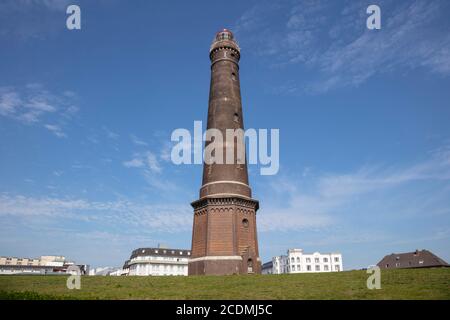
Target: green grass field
{"x": 395, "y": 284}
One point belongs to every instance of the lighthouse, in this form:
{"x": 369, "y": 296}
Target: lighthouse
{"x": 224, "y": 235}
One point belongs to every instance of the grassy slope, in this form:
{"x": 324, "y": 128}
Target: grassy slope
{"x": 396, "y": 284}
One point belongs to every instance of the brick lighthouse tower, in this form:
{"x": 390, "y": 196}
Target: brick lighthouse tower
{"x": 224, "y": 239}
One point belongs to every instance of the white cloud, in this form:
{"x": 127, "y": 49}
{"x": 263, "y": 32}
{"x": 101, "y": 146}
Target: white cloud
{"x": 110, "y": 134}
{"x": 149, "y": 165}
{"x": 340, "y": 49}
{"x": 50, "y": 4}
{"x": 58, "y": 173}
{"x": 146, "y": 160}
{"x": 137, "y": 141}
{"x": 41, "y": 103}
{"x": 165, "y": 153}
{"x": 70, "y": 111}
{"x": 134, "y": 163}
{"x": 21, "y": 6}
{"x": 9, "y": 101}
{"x": 163, "y": 184}
{"x": 155, "y": 218}
{"x": 57, "y": 130}
{"x": 388, "y": 191}
{"x": 33, "y": 104}
{"x": 25, "y": 20}
{"x": 153, "y": 162}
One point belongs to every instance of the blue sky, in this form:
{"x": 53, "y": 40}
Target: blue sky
{"x": 86, "y": 118}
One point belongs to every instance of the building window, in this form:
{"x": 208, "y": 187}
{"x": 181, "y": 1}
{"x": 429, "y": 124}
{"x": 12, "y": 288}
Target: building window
{"x": 308, "y": 259}
{"x": 316, "y": 260}
{"x": 233, "y": 76}
{"x": 245, "y": 223}
{"x": 308, "y": 267}
{"x": 397, "y": 264}
{"x": 317, "y": 268}
{"x": 325, "y": 259}
{"x": 299, "y": 268}
{"x": 420, "y": 261}
{"x": 336, "y": 267}
{"x": 293, "y": 268}
{"x": 292, "y": 260}
{"x": 298, "y": 259}
{"x": 325, "y": 268}
{"x": 336, "y": 259}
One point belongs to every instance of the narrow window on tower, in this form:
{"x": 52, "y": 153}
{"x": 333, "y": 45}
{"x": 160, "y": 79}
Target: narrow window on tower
{"x": 233, "y": 76}
{"x": 236, "y": 117}
{"x": 245, "y": 223}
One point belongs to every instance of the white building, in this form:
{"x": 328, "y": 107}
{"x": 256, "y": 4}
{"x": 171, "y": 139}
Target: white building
{"x": 158, "y": 262}
{"x": 43, "y": 265}
{"x": 105, "y": 271}
{"x": 298, "y": 262}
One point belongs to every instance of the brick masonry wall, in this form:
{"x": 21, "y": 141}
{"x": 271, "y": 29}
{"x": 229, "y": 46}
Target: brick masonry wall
{"x": 225, "y": 229}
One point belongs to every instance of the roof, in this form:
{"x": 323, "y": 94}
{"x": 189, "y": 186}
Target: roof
{"x": 267, "y": 265}
{"x": 160, "y": 252}
{"x": 224, "y": 30}
{"x": 298, "y": 250}
{"x": 415, "y": 259}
